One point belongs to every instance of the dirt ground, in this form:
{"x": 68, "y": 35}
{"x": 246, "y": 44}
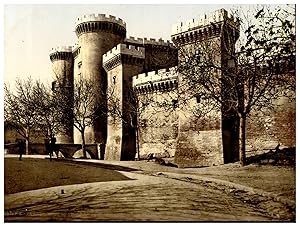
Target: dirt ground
{"x": 156, "y": 192}
{"x": 31, "y": 173}
{"x": 280, "y": 180}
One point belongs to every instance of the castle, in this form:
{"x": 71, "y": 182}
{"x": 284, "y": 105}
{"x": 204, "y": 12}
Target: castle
{"x": 148, "y": 67}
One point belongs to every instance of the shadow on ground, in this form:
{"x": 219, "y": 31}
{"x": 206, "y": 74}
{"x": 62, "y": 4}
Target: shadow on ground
{"x": 31, "y": 174}
{"x": 98, "y": 165}
{"x": 279, "y": 157}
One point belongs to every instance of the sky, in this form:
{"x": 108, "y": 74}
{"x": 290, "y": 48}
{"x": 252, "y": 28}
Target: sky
{"x": 30, "y": 31}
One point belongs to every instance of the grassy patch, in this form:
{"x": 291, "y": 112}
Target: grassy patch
{"x": 30, "y": 174}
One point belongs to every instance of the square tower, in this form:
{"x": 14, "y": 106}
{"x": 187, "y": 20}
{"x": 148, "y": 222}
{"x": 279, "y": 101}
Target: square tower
{"x": 207, "y": 135}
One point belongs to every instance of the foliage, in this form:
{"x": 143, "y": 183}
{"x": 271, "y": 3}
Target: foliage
{"x": 251, "y": 79}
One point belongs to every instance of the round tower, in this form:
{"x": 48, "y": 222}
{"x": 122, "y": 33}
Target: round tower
{"x": 97, "y": 34}
{"x": 62, "y": 65}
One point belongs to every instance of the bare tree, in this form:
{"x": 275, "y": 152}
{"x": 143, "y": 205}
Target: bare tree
{"x": 141, "y": 102}
{"x": 237, "y": 83}
{"x": 48, "y": 113}
{"x": 19, "y": 108}
{"x": 128, "y": 110}
{"x": 84, "y": 111}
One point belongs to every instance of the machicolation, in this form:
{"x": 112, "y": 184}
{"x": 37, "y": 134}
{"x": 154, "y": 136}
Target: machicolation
{"x": 99, "y": 17}
{"x": 148, "y": 68}
{"x": 159, "y": 80}
{"x": 205, "y": 20}
{"x": 205, "y": 27}
{"x": 122, "y": 48}
{"x": 60, "y": 53}
{"x": 123, "y": 53}
{"x": 101, "y": 22}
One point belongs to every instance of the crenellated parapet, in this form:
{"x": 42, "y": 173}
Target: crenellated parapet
{"x": 76, "y": 50}
{"x": 61, "y": 53}
{"x": 205, "y": 26}
{"x": 132, "y": 50}
{"x": 100, "y": 22}
{"x": 148, "y": 41}
{"x": 160, "y": 80}
{"x": 123, "y": 54}
{"x": 100, "y": 17}
{"x": 159, "y": 54}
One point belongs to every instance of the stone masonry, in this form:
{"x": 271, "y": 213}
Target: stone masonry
{"x": 139, "y": 80}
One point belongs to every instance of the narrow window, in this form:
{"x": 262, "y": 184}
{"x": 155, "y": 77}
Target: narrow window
{"x": 53, "y": 85}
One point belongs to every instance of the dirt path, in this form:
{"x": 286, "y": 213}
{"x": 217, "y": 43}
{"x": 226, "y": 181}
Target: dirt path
{"x": 147, "y": 198}
{"x": 175, "y": 195}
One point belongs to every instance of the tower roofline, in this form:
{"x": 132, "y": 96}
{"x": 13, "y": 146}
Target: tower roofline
{"x": 100, "y": 17}
{"x": 123, "y": 54}
{"x": 151, "y": 41}
{"x": 155, "y": 76}
{"x": 60, "y": 49}
{"x": 61, "y": 53}
{"x": 204, "y": 20}
{"x": 122, "y": 48}
{"x": 75, "y": 47}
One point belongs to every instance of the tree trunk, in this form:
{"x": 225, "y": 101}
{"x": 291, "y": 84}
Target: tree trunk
{"x": 243, "y": 141}
{"x": 27, "y": 146}
{"x": 27, "y": 142}
{"x": 83, "y": 145}
{"x": 137, "y": 143}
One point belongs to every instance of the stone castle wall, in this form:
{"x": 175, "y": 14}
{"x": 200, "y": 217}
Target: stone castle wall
{"x": 121, "y": 63}
{"x": 266, "y": 131}
{"x": 114, "y": 127}
{"x": 199, "y": 141}
{"x": 159, "y": 54}
{"x": 62, "y": 66}
{"x": 97, "y": 34}
{"x": 77, "y": 74}
{"x": 203, "y": 21}
{"x": 165, "y": 124}
{"x": 158, "y": 115}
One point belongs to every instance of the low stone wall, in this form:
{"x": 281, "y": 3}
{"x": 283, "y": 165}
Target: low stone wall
{"x": 266, "y": 132}
{"x": 168, "y": 146}
{"x": 67, "y": 150}
{"x": 196, "y": 149}
{"x": 35, "y": 148}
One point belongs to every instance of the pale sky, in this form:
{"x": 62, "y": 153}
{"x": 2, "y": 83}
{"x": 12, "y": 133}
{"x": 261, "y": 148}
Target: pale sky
{"x": 30, "y": 31}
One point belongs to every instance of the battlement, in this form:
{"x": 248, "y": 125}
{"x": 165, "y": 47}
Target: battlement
{"x": 75, "y": 47}
{"x": 155, "y": 77}
{"x": 61, "y": 49}
{"x": 151, "y": 41}
{"x": 204, "y": 20}
{"x": 75, "y": 50}
{"x": 100, "y": 17}
{"x": 135, "y": 51}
